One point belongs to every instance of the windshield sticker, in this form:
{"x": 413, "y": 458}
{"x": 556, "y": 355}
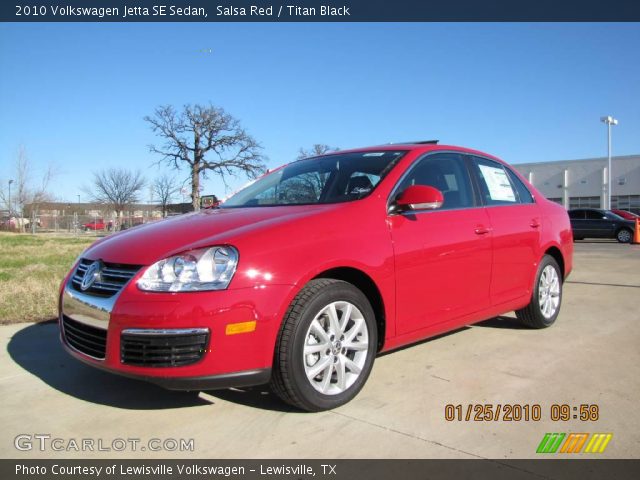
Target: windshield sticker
{"x": 373, "y": 154}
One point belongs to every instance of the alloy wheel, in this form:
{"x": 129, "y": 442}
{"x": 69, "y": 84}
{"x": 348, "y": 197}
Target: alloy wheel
{"x": 549, "y": 291}
{"x": 624, "y": 236}
{"x": 336, "y": 348}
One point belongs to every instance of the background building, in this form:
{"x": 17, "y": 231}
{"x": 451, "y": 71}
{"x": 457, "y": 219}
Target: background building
{"x": 582, "y": 183}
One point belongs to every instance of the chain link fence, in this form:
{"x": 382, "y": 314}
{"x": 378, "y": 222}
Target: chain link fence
{"x": 74, "y": 224}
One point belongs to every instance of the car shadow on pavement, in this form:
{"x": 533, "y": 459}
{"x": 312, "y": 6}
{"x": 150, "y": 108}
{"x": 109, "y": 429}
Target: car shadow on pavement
{"x": 260, "y": 397}
{"x": 502, "y": 322}
{"x": 37, "y": 349}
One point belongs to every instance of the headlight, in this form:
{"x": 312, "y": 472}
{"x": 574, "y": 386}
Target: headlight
{"x": 195, "y": 270}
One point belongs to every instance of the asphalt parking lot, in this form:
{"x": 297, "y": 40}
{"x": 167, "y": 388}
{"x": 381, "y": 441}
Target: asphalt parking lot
{"x": 591, "y": 356}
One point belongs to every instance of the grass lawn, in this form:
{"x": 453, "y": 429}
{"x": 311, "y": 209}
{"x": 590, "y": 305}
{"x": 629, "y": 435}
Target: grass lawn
{"x": 31, "y": 269}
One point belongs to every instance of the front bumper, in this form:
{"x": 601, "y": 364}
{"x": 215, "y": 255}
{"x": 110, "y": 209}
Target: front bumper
{"x": 236, "y": 360}
{"x": 247, "y": 378}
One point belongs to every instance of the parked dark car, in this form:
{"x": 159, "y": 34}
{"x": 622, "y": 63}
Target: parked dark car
{"x": 596, "y": 223}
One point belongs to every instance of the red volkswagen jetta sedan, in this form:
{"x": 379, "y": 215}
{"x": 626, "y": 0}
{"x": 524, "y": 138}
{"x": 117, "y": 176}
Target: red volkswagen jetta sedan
{"x": 300, "y": 279}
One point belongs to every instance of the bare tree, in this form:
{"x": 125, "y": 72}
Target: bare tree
{"x": 164, "y": 188}
{"x": 116, "y": 188}
{"x": 207, "y": 139}
{"x": 28, "y": 190}
{"x": 317, "y": 149}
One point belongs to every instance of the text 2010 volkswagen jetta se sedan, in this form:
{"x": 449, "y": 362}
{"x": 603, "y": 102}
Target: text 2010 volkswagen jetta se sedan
{"x": 301, "y": 278}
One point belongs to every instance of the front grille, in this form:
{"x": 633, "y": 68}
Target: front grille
{"x": 86, "y": 339}
{"x": 163, "y": 348}
{"x": 110, "y": 280}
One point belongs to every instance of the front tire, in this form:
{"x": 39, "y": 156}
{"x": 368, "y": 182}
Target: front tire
{"x": 546, "y": 299}
{"x": 326, "y": 346}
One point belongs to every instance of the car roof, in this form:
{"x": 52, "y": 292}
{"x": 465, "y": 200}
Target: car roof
{"x": 423, "y": 146}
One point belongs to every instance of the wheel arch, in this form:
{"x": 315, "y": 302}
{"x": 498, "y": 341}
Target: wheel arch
{"x": 368, "y": 287}
{"x": 624, "y": 227}
{"x": 556, "y": 253}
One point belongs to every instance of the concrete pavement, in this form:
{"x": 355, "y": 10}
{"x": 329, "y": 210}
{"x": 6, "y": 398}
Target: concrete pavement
{"x": 591, "y": 356}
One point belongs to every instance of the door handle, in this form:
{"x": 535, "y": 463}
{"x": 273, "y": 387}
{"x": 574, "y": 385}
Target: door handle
{"x": 534, "y": 223}
{"x": 482, "y": 230}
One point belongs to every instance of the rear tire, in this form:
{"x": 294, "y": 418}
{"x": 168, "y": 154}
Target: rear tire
{"x": 546, "y": 299}
{"x": 326, "y": 346}
{"x": 624, "y": 235}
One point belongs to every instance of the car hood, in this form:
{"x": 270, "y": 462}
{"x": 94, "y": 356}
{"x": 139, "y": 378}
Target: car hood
{"x": 146, "y": 244}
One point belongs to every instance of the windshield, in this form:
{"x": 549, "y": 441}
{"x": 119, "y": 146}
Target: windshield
{"x": 336, "y": 178}
{"x": 614, "y": 216}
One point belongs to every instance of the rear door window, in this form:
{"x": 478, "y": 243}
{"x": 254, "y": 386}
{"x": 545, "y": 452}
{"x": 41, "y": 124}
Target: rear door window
{"x": 495, "y": 186}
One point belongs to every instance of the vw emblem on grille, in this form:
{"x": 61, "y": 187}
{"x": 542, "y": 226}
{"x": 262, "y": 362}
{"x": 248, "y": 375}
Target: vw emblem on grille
{"x": 91, "y": 275}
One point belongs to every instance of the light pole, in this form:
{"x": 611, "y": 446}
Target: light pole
{"x": 608, "y": 120}
{"x": 10, "y": 182}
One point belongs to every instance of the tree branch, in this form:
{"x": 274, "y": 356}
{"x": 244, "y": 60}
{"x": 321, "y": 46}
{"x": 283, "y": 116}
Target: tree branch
{"x": 207, "y": 139}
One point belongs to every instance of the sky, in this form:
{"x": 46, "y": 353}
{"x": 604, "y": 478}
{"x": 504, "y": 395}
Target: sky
{"x": 74, "y": 95}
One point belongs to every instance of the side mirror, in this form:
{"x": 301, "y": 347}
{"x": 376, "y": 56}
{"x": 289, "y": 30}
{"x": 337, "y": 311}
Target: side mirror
{"x": 420, "y": 197}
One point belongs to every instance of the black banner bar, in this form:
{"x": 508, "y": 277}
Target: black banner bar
{"x": 320, "y": 11}
{"x": 582, "y": 469}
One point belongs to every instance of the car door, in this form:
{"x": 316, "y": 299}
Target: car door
{"x": 515, "y": 221}
{"x": 443, "y": 256}
{"x": 598, "y": 225}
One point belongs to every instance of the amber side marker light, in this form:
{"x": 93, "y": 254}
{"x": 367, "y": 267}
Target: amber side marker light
{"x": 242, "y": 327}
